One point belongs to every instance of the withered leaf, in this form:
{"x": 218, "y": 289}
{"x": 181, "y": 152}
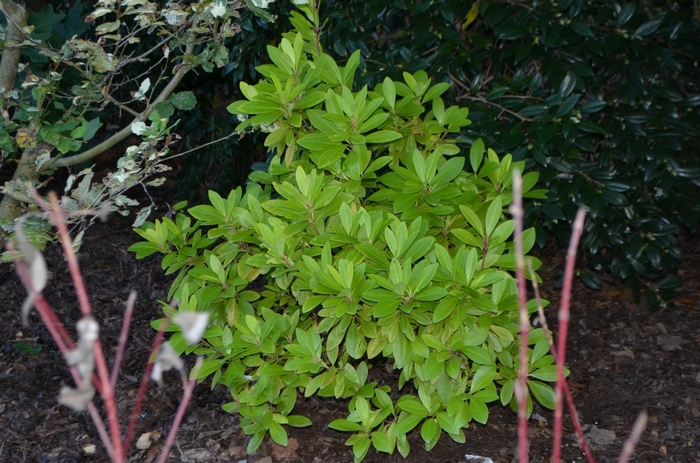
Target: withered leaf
{"x": 36, "y": 267}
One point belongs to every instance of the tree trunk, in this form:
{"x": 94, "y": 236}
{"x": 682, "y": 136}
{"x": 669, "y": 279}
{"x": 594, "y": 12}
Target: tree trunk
{"x": 16, "y": 20}
{"x": 16, "y": 17}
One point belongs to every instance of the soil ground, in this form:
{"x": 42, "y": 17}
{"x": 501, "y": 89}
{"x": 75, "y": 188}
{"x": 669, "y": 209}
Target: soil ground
{"x": 623, "y": 360}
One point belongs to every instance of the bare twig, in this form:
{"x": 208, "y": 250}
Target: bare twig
{"x": 485, "y": 101}
{"x": 576, "y": 421}
{"x": 200, "y": 147}
{"x": 632, "y": 440}
{"x": 516, "y": 210}
{"x": 104, "y": 384}
{"x": 123, "y": 336}
{"x": 563, "y": 330}
{"x": 121, "y": 105}
{"x": 495, "y": 105}
{"x": 186, "y": 396}
{"x": 144, "y": 385}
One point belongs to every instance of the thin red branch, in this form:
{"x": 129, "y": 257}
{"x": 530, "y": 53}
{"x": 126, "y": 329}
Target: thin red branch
{"x": 563, "y": 330}
{"x": 631, "y": 442}
{"x": 520, "y": 388}
{"x": 103, "y": 381}
{"x": 103, "y": 384}
{"x": 123, "y": 336}
{"x": 59, "y": 220}
{"x": 104, "y": 436}
{"x": 186, "y": 396}
{"x": 65, "y": 343}
{"x": 107, "y": 393}
{"x": 144, "y": 385}
{"x": 575, "y": 420}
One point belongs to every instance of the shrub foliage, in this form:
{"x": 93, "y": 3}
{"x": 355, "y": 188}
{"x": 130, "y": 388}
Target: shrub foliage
{"x": 365, "y": 242}
{"x": 598, "y": 97}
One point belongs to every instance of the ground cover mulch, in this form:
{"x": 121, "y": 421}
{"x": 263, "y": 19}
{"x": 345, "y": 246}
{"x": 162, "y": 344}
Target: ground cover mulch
{"x": 623, "y": 360}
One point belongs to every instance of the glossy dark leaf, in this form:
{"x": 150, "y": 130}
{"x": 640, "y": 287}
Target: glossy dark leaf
{"x": 581, "y": 28}
{"x": 669, "y": 282}
{"x": 625, "y": 14}
{"x": 647, "y": 28}
{"x": 593, "y": 106}
{"x": 567, "y": 85}
{"x": 590, "y": 281}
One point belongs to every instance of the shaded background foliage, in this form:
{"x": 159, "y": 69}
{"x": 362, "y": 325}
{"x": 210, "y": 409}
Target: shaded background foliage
{"x": 600, "y": 97}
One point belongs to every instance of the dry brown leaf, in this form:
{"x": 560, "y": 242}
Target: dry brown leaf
{"x": 600, "y": 437}
{"x": 144, "y": 441}
{"x": 167, "y": 359}
{"x": 19, "y": 367}
{"x": 625, "y": 352}
{"x": 285, "y": 454}
{"x": 670, "y": 343}
{"x": 77, "y": 399}
{"x": 36, "y": 266}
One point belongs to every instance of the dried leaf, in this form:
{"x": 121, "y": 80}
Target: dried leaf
{"x": 600, "y": 437}
{"x": 192, "y": 325}
{"x": 77, "y": 399}
{"x": 285, "y": 454}
{"x": 36, "y": 266}
{"x": 625, "y": 352}
{"x": 167, "y": 360}
{"x": 83, "y": 357}
{"x": 145, "y": 439}
{"x": 670, "y": 343}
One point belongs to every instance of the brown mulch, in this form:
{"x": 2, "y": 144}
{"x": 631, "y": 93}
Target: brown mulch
{"x": 623, "y": 360}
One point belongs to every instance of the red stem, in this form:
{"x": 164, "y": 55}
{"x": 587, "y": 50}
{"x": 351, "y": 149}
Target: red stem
{"x": 520, "y": 388}
{"x": 123, "y": 336}
{"x": 64, "y": 342}
{"x": 186, "y": 396}
{"x": 97, "y": 421}
{"x": 104, "y": 384}
{"x": 631, "y": 442}
{"x": 563, "y": 331}
{"x": 67, "y": 244}
{"x": 144, "y": 385}
{"x": 569, "y": 400}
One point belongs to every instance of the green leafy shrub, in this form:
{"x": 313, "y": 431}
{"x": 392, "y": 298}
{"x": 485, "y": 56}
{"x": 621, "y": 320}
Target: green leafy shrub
{"x": 599, "y": 97}
{"x": 365, "y": 242}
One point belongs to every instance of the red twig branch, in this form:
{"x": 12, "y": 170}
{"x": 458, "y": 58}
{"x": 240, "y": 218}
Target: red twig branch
{"x": 559, "y": 353}
{"x": 569, "y": 399}
{"x": 104, "y": 384}
{"x": 123, "y": 336}
{"x": 186, "y": 396}
{"x": 520, "y": 388}
{"x": 64, "y": 342}
{"x": 631, "y": 442}
{"x": 144, "y": 385}
{"x": 563, "y": 330}
{"x": 103, "y": 381}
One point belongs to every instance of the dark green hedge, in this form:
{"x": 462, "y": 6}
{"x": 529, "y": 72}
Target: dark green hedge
{"x": 600, "y": 97}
